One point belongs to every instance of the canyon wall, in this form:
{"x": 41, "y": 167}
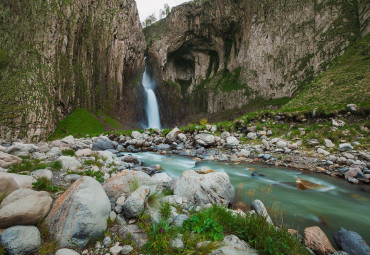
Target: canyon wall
{"x": 59, "y": 55}
{"x": 211, "y": 56}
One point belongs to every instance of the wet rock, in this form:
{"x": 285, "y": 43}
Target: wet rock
{"x": 316, "y": 240}
{"x": 352, "y": 172}
{"x": 345, "y": 147}
{"x": 122, "y": 183}
{"x": 204, "y": 170}
{"x": 6, "y": 160}
{"x": 205, "y": 139}
{"x": 351, "y": 242}
{"x": 69, "y": 163}
{"x": 233, "y": 245}
{"x": 102, "y": 144}
{"x": 21, "y": 240}
{"x": 303, "y": 184}
{"x": 204, "y": 189}
{"x": 134, "y": 205}
{"x": 24, "y": 210}
{"x": 79, "y": 214}
{"x": 163, "y": 147}
{"x": 353, "y": 180}
{"x": 260, "y": 209}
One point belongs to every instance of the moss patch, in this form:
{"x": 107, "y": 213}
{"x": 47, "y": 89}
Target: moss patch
{"x": 80, "y": 123}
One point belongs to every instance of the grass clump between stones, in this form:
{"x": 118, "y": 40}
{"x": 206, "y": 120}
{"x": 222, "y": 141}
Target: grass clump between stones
{"x": 69, "y": 152}
{"x": 43, "y": 183}
{"x": 97, "y": 175}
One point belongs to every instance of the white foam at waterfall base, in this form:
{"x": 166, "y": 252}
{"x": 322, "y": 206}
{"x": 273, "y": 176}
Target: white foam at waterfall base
{"x": 152, "y": 111}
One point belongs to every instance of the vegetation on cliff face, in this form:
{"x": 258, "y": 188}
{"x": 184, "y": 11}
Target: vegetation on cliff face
{"x": 346, "y": 81}
{"x": 62, "y": 55}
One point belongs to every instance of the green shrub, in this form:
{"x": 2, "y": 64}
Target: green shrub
{"x": 207, "y": 226}
{"x": 97, "y": 175}
{"x": 69, "y": 152}
{"x": 56, "y": 165}
{"x": 28, "y": 166}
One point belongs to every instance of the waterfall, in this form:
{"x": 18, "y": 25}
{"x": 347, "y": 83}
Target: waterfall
{"x": 152, "y": 111}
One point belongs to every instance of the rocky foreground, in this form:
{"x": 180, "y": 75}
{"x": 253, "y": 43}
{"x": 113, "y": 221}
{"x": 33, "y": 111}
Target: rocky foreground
{"x": 89, "y": 195}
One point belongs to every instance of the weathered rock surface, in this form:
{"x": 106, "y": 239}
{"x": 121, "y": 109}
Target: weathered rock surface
{"x": 351, "y": 242}
{"x": 121, "y": 183}
{"x": 66, "y": 252}
{"x": 21, "y": 240}
{"x": 233, "y": 245}
{"x": 23, "y": 181}
{"x": 201, "y": 189}
{"x": 79, "y": 214}
{"x": 137, "y": 234}
{"x": 260, "y": 209}
{"x": 69, "y": 163}
{"x": 85, "y": 55}
{"x": 25, "y": 210}
{"x": 7, "y": 184}
{"x": 207, "y": 42}
{"x": 134, "y": 205}
{"x": 205, "y": 139}
{"x": 316, "y": 240}
{"x": 102, "y": 144}
{"x": 7, "y": 160}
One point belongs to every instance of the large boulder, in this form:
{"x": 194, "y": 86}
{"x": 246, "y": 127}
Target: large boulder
{"x": 205, "y": 139}
{"x": 233, "y": 245}
{"x": 7, "y": 185}
{"x": 16, "y": 195}
{"x": 316, "y": 240}
{"x": 79, "y": 214}
{"x": 7, "y": 160}
{"x": 23, "y": 181}
{"x": 21, "y": 149}
{"x": 351, "y": 242}
{"x": 24, "y": 208}
{"x": 69, "y": 163}
{"x": 260, "y": 209}
{"x": 134, "y": 204}
{"x": 232, "y": 141}
{"x": 201, "y": 189}
{"x": 102, "y": 144}
{"x": 172, "y": 135}
{"x": 21, "y": 240}
{"x": 123, "y": 182}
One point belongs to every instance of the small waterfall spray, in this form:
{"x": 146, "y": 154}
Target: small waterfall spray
{"x": 151, "y": 107}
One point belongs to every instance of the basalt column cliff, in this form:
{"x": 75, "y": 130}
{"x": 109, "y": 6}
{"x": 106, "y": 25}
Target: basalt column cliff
{"x": 216, "y": 55}
{"x": 57, "y": 56}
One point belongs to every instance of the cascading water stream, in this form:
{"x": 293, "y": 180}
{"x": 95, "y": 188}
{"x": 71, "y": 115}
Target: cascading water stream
{"x": 152, "y": 111}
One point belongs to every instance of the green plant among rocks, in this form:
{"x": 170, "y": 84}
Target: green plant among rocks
{"x": 69, "y": 152}
{"x": 28, "y": 165}
{"x": 43, "y": 183}
{"x": 98, "y": 175}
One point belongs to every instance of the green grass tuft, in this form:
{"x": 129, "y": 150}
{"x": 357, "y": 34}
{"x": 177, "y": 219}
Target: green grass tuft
{"x": 80, "y": 123}
{"x": 69, "y": 152}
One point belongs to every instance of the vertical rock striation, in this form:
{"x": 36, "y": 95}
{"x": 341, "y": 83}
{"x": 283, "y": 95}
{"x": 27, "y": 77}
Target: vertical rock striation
{"x": 56, "y": 56}
{"x": 213, "y": 56}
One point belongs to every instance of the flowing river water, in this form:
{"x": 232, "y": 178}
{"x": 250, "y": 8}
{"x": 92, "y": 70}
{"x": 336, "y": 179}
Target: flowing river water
{"x": 336, "y": 204}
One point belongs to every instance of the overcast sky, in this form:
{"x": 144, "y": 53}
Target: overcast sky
{"x": 147, "y": 7}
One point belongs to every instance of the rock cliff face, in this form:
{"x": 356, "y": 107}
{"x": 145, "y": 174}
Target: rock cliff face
{"x": 215, "y": 55}
{"x": 57, "y": 56}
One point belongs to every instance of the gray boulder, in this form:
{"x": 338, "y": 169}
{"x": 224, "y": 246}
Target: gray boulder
{"x": 205, "y": 139}
{"x": 172, "y": 135}
{"x": 134, "y": 204}
{"x": 79, "y": 214}
{"x": 351, "y": 242}
{"x": 233, "y": 245}
{"x": 7, "y": 184}
{"x": 21, "y": 240}
{"x": 232, "y": 141}
{"x": 202, "y": 189}
{"x": 69, "y": 163}
{"x": 7, "y": 160}
{"x": 21, "y": 149}
{"x": 121, "y": 183}
{"x": 102, "y": 144}
{"x": 66, "y": 252}
{"x": 24, "y": 210}
{"x": 260, "y": 209}
{"x": 179, "y": 220}
{"x": 345, "y": 147}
